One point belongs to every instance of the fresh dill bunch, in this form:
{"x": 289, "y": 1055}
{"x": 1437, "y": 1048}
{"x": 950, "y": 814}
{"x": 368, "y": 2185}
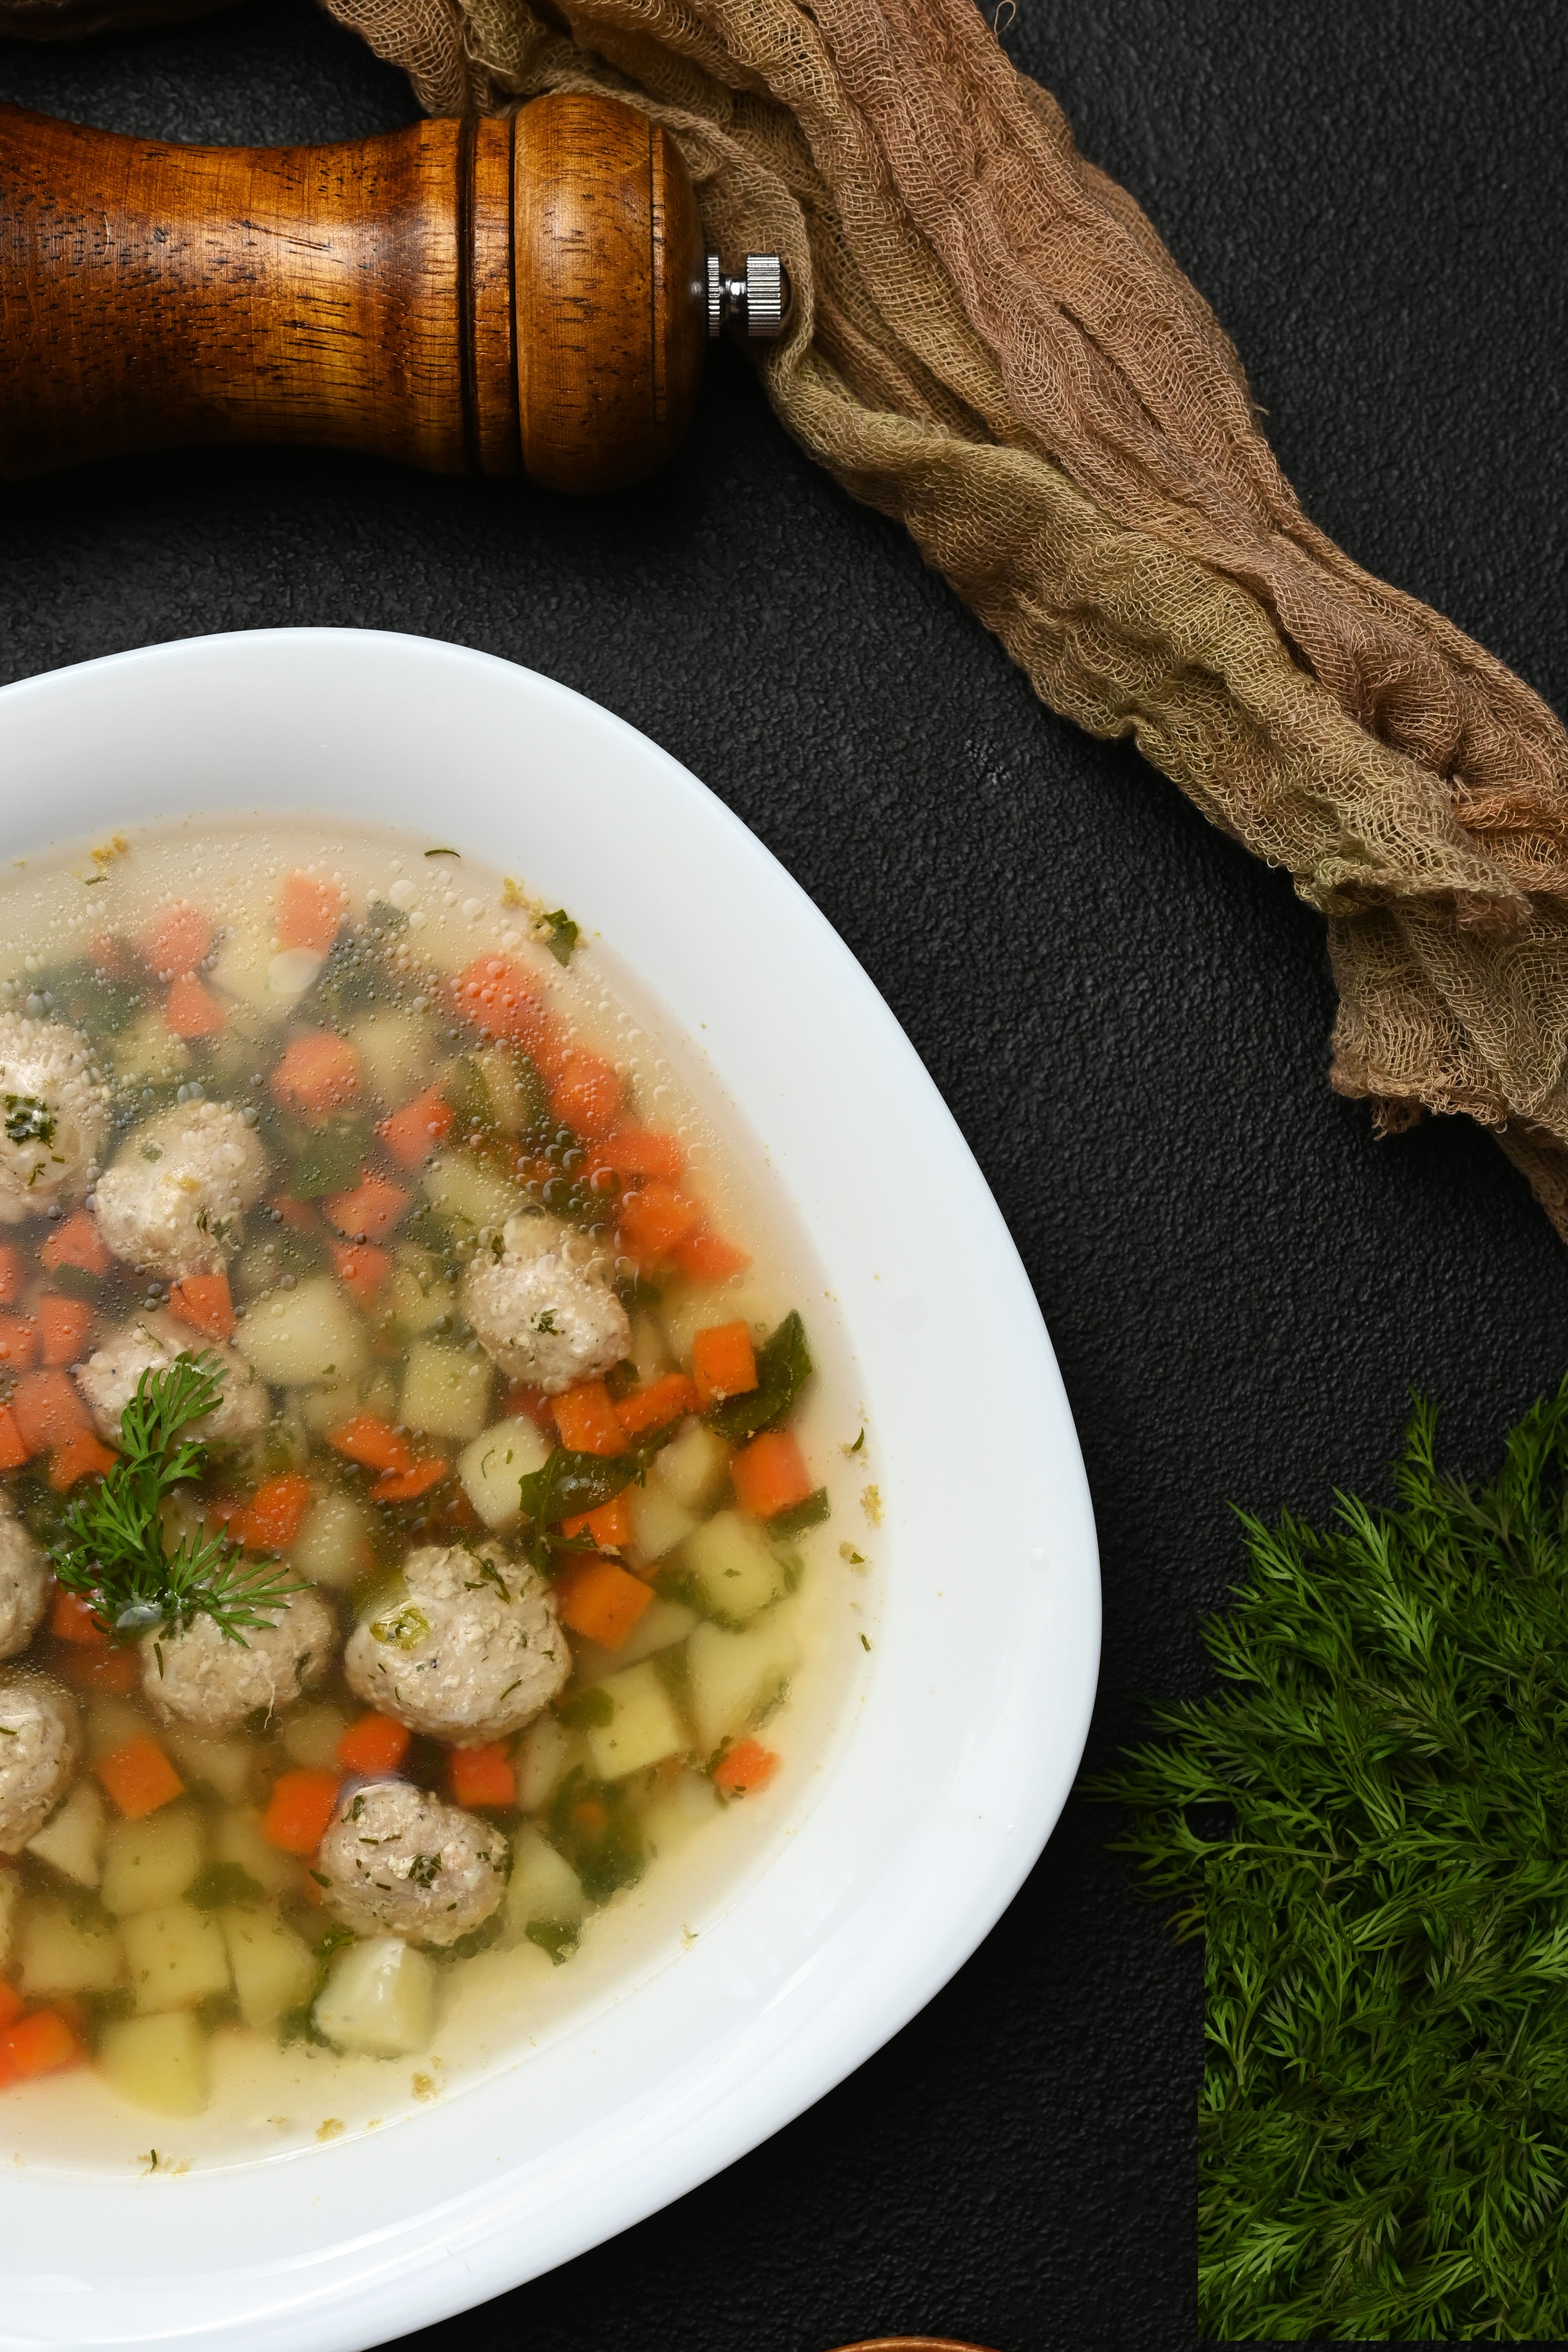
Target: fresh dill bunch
{"x": 111, "y": 1546}
{"x": 1369, "y": 1828}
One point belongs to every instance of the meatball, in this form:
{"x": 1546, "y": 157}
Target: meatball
{"x": 397, "y": 1861}
{"x": 39, "y": 1743}
{"x": 200, "y": 1678}
{"x": 542, "y": 1306}
{"x": 54, "y": 1116}
{"x": 151, "y": 1342}
{"x": 25, "y": 1581}
{"x": 471, "y": 1653}
{"x": 174, "y": 1202}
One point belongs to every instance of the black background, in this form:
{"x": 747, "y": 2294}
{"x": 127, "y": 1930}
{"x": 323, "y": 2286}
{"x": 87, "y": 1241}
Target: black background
{"x": 1129, "y": 1019}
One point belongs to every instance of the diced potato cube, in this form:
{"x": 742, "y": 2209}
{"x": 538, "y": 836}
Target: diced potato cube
{"x": 731, "y": 1568}
{"x": 674, "y": 1817}
{"x": 457, "y": 1186}
{"x": 111, "y": 1722}
{"x": 394, "y": 1049}
{"x": 733, "y": 1678}
{"x": 311, "y": 1732}
{"x": 237, "y": 1838}
{"x": 174, "y": 1958}
{"x": 380, "y": 1998}
{"x": 157, "y": 2062}
{"x": 71, "y": 1842}
{"x": 493, "y": 1466}
{"x": 661, "y": 1626}
{"x": 644, "y": 1727}
{"x": 415, "y": 1298}
{"x": 658, "y": 1521}
{"x": 10, "y": 1909}
{"x": 60, "y": 1954}
{"x": 693, "y": 1467}
{"x": 544, "y": 1887}
{"x": 241, "y": 966}
{"x": 146, "y": 1054}
{"x": 274, "y": 1969}
{"x": 648, "y": 1351}
{"x": 445, "y": 1392}
{"x": 333, "y": 1548}
{"x": 224, "y": 1764}
{"x": 543, "y": 1757}
{"x": 298, "y": 1338}
{"x": 150, "y": 1863}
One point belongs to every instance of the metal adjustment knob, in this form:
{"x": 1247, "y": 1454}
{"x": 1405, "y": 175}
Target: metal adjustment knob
{"x": 761, "y": 298}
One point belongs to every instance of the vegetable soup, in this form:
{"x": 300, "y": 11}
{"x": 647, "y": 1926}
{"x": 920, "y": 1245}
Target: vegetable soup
{"x": 434, "y": 1516}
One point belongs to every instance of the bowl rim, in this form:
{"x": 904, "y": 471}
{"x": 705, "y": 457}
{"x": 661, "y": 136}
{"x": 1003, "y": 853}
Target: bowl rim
{"x": 845, "y": 1939}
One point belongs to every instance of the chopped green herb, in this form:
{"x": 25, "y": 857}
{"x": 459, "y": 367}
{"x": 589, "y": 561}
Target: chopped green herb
{"x": 328, "y": 1159}
{"x": 784, "y": 1367}
{"x": 556, "y": 1936}
{"x": 110, "y": 1547}
{"x": 585, "y": 1710}
{"x": 424, "y": 1869}
{"x": 562, "y": 936}
{"x": 1365, "y": 1825}
{"x": 572, "y": 1483}
{"x": 28, "y": 1119}
{"x": 443, "y": 853}
{"x": 809, "y": 1514}
{"x": 222, "y": 1886}
{"x": 595, "y": 1825}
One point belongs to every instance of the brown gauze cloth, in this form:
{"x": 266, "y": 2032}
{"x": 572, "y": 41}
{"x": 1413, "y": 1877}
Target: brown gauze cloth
{"x": 989, "y": 341}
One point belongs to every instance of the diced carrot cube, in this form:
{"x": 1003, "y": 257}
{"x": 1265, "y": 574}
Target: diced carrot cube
{"x": 610, "y": 1525}
{"x": 632, "y": 1150}
{"x": 300, "y": 1216}
{"x": 404, "y": 1486}
{"x": 587, "y": 1420}
{"x": 361, "y": 1268}
{"x": 316, "y": 1074}
{"x": 74, "y": 1619}
{"x": 49, "y": 1408}
{"x": 482, "y": 1776}
{"x": 19, "y": 1342}
{"x": 308, "y": 912}
{"x": 63, "y": 1327}
{"x": 203, "y": 1301}
{"x": 10, "y": 1274}
{"x": 497, "y": 994}
{"x": 300, "y": 1810}
{"x": 704, "y": 1257}
{"x": 532, "y": 1404}
{"x": 723, "y": 1362}
{"x": 139, "y": 1778}
{"x": 177, "y": 940}
{"x": 748, "y": 1766}
{"x": 276, "y": 1512}
{"x": 654, "y": 1218}
{"x": 586, "y": 1096}
{"x": 192, "y": 1011}
{"x": 412, "y": 1133}
{"x": 372, "y": 1210}
{"x": 82, "y": 1454}
{"x": 39, "y": 2044}
{"x": 13, "y": 1447}
{"x": 770, "y": 1475}
{"x": 11, "y": 2003}
{"x": 365, "y": 1438}
{"x": 103, "y": 1672}
{"x": 601, "y": 1600}
{"x": 374, "y": 1743}
{"x": 76, "y": 1240}
{"x": 669, "y": 1398}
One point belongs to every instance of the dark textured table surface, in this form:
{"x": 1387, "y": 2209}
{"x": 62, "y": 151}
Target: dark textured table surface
{"x": 1129, "y": 1019}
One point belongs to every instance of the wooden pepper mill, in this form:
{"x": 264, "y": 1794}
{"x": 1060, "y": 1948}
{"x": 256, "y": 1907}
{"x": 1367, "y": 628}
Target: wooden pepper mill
{"x": 529, "y": 296}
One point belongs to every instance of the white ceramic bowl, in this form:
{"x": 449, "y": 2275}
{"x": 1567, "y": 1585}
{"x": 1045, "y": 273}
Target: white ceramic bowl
{"x": 968, "y": 1728}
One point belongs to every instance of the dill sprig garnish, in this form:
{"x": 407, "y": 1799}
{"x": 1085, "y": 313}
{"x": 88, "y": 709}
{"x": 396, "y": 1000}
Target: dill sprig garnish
{"x": 1369, "y": 1827}
{"x": 112, "y": 1547}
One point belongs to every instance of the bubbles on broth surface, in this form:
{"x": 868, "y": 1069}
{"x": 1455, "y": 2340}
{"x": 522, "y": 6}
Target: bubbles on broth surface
{"x": 418, "y": 1443}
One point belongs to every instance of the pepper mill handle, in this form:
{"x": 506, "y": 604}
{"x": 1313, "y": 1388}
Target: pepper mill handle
{"x": 523, "y": 296}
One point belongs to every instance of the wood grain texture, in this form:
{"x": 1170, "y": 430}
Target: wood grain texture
{"x": 470, "y": 295}
{"x": 609, "y": 341}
